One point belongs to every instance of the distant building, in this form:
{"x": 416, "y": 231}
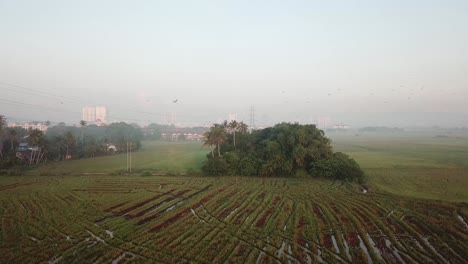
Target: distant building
{"x": 341, "y": 127}
{"x": 171, "y": 118}
{"x": 101, "y": 114}
{"x": 39, "y": 126}
{"x": 94, "y": 115}
{"x": 323, "y": 122}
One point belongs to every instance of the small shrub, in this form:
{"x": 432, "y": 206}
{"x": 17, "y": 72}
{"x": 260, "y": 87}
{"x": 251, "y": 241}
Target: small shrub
{"x": 146, "y": 174}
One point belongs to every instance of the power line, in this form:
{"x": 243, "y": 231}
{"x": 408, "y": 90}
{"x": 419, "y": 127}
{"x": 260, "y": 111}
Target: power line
{"x": 38, "y": 91}
{"x": 38, "y": 107}
{"x": 57, "y": 110}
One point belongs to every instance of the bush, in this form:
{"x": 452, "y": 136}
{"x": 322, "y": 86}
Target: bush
{"x": 215, "y": 167}
{"x": 249, "y": 166}
{"x": 340, "y": 167}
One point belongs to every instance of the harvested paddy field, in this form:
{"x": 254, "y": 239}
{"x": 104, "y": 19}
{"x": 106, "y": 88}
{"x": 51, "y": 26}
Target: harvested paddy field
{"x": 168, "y": 219}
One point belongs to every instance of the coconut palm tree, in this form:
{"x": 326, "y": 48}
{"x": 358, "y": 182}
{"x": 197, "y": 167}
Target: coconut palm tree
{"x": 218, "y": 133}
{"x": 209, "y": 141}
{"x": 233, "y": 126}
{"x": 37, "y": 140}
{"x": 242, "y": 128}
{"x": 82, "y": 124}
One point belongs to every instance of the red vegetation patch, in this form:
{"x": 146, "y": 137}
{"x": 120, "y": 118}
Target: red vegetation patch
{"x": 225, "y": 212}
{"x": 353, "y": 239}
{"x": 344, "y": 220}
{"x": 319, "y": 214}
{"x": 265, "y": 216}
{"x": 327, "y": 241}
{"x": 140, "y": 204}
{"x": 367, "y": 222}
{"x": 139, "y": 214}
{"x": 170, "y": 220}
{"x": 300, "y": 232}
{"x": 239, "y": 220}
{"x": 198, "y": 192}
{"x": 115, "y": 206}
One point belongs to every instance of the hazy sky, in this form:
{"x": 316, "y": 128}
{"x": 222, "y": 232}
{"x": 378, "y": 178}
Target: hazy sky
{"x": 356, "y": 62}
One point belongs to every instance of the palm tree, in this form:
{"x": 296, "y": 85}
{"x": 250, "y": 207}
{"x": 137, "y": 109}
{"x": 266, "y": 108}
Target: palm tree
{"x": 35, "y": 137}
{"x": 82, "y": 124}
{"x": 243, "y": 128}
{"x": 37, "y": 141}
{"x": 233, "y": 126}
{"x": 218, "y": 134}
{"x": 209, "y": 141}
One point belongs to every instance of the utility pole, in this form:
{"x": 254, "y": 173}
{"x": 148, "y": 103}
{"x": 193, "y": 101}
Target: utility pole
{"x": 127, "y": 155}
{"x": 131, "y": 144}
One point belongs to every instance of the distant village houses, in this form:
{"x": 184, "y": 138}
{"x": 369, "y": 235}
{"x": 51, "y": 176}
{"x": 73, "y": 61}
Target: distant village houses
{"x": 173, "y": 136}
{"x": 39, "y": 126}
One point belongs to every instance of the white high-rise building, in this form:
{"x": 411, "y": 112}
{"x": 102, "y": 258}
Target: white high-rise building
{"x": 88, "y": 114}
{"x": 94, "y": 114}
{"x": 101, "y": 114}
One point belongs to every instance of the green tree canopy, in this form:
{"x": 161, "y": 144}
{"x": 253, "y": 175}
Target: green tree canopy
{"x": 282, "y": 150}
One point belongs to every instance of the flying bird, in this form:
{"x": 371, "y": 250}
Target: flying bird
{"x": 175, "y": 101}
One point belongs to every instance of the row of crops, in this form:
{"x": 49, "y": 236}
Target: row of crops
{"x": 212, "y": 220}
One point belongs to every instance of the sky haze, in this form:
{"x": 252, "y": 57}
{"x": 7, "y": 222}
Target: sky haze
{"x": 395, "y": 63}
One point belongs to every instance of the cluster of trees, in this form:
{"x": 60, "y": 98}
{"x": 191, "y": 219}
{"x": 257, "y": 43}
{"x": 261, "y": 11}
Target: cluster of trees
{"x": 283, "y": 150}
{"x": 65, "y": 142}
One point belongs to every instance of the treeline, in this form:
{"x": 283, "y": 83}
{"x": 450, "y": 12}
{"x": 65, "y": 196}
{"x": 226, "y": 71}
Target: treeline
{"x": 19, "y": 146}
{"x": 283, "y": 150}
{"x": 156, "y": 132}
{"x": 382, "y": 129}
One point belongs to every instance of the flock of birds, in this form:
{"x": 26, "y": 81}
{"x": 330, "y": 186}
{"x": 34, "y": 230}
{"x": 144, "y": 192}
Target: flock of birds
{"x": 339, "y": 90}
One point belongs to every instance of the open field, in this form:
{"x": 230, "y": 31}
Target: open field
{"x": 416, "y": 210}
{"x": 155, "y": 156}
{"x": 418, "y": 165}
{"x": 413, "y": 165}
{"x": 134, "y": 219}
